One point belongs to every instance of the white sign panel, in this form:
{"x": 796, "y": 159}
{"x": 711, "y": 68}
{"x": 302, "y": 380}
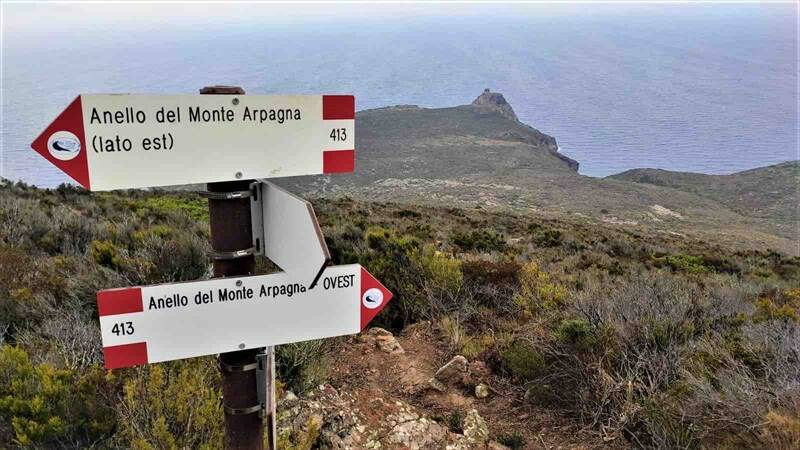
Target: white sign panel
{"x": 107, "y": 142}
{"x": 286, "y": 228}
{"x": 149, "y": 324}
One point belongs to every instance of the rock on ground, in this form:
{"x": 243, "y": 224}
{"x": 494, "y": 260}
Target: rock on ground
{"x": 454, "y": 371}
{"x": 481, "y": 391}
{"x": 384, "y": 340}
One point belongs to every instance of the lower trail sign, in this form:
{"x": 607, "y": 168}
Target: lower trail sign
{"x": 141, "y": 325}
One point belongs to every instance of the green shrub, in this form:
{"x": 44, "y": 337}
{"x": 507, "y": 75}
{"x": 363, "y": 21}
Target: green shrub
{"x": 578, "y": 333}
{"x": 766, "y": 309}
{"x": 480, "y": 240}
{"x": 455, "y": 420}
{"x": 107, "y": 254}
{"x": 196, "y": 208}
{"x": 439, "y": 270}
{"x": 302, "y": 365}
{"x": 160, "y": 231}
{"x": 522, "y": 361}
{"x": 345, "y": 243}
{"x": 388, "y": 258}
{"x": 408, "y": 213}
{"x": 475, "y": 346}
{"x": 171, "y": 405}
{"x": 544, "y": 236}
{"x": 29, "y": 289}
{"x": 178, "y": 256}
{"x": 514, "y": 441}
{"x": 786, "y": 306}
{"x": 537, "y": 291}
{"x": 51, "y": 407}
{"x": 684, "y": 263}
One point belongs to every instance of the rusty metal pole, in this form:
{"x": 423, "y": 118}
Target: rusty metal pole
{"x": 231, "y": 232}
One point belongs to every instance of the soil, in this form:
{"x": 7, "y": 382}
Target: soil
{"x": 377, "y": 378}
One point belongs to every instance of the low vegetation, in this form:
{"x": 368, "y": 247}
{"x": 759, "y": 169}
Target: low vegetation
{"x": 650, "y": 340}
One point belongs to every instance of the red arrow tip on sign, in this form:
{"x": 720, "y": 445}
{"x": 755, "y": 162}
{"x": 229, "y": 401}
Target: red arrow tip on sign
{"x": 374, "y": 297}
{"x": 63, "y": 143}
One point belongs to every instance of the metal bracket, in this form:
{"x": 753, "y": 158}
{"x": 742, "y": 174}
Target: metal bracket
{"x": 262, "y": 363}
{"x": 232, "y": 368}
{"x": 265, "y": 381}
{"x": 239, "y": 368}
{"x": 218, "y": 254}
{"x": 240, "y": 411}
{"x": 235, "y": 195}
{"x": 257, "y": 217}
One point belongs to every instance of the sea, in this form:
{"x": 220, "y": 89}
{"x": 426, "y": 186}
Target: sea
{"x": 708, "y": 88}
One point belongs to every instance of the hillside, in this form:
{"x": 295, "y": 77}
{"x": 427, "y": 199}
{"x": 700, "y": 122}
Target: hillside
{"x": 507, "y": 331}
{"x": 480, "y": 155}
{"x": 767, "y": 192}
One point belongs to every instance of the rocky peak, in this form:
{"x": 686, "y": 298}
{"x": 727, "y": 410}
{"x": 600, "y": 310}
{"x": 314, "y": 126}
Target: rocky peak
{"x": 495, "y": 101}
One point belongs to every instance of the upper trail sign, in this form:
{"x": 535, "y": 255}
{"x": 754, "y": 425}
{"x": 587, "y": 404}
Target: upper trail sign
{"x": 107, "y": 141}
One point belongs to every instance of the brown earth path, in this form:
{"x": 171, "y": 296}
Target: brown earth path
{"x": 377, "y": 378}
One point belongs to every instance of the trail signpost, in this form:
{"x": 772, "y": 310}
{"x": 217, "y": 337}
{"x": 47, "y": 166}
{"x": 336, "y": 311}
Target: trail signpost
{"x": 107, "y": 142}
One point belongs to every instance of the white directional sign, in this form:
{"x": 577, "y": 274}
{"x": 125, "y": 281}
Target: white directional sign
{"x": 286, "y": 230}
{"x": 142, "y": 325}
{"x": 107, "y": 142}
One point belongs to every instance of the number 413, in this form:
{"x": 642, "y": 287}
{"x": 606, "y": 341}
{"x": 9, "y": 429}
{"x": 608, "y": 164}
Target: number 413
{"x": 339, "y": 134}
{"x": 123, "y": 328}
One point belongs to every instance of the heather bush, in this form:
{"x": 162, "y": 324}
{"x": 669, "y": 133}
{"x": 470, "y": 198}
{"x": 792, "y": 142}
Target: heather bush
{"x": 667, "y": 362}
{"x": 53, "y": 408}
{"x": 302, "y": 365}
{"x": 545, "y": 236}
{"x": 479, "y": 240}
{"x": 538, "y": 292}
{"x": 475, "y": 346}
{"x": 522, "y": 361}
{"x": 171, "y": 405}
{"x": 514, "y": 441}
{"x": 493, "y": 284}
{"x": 424, "y": 281}
{"x": 66, "y": 338}
{"x": 22, "y": 222}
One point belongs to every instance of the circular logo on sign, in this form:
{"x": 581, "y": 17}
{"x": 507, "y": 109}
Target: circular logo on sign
{"x": 373, "y": 298}
{"x": 64, "y": 145}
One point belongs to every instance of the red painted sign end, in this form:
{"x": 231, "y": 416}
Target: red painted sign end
{"x": 338, "y": 107}
{"x": 64, "y": 145}
{"x": 374, "y": 297}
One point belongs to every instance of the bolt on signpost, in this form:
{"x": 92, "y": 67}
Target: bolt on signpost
{"x": 227, "y": 140}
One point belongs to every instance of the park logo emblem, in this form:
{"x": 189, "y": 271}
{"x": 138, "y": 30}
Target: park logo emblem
{"x": 64, "y": 145}
{"x": 372, "y": 298}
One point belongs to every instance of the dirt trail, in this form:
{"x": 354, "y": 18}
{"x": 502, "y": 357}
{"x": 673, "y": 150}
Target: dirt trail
{"x": 377, "y": 378}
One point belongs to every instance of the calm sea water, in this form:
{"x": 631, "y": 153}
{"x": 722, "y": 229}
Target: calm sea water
{"x": 703, "y": 89}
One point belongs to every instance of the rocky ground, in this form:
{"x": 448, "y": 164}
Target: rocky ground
{"x": 396, "y": 392}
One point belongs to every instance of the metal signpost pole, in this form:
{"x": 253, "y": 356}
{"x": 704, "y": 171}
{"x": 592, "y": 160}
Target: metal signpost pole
{"x": 233, "y": 255}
